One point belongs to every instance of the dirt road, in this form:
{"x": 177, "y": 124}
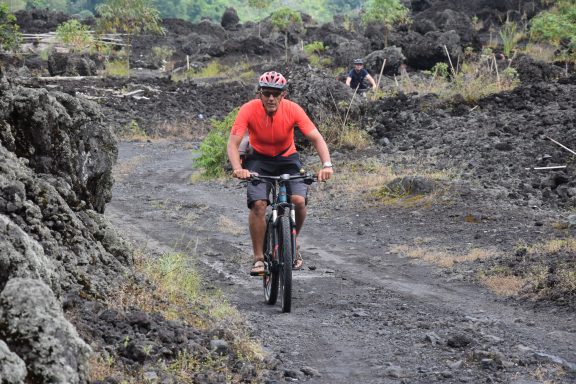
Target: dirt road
{"x": 365, "y": 314}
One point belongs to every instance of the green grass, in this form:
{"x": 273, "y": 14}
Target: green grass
{"x": 213, "y": 155}
{"x": 118, "y": 68}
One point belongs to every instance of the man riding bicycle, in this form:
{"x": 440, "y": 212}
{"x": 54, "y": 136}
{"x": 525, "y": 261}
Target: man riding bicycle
{"x": 270, "y": 120}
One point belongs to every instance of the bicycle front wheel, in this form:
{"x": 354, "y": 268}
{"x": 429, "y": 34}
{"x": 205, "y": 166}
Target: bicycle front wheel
{"x": 271, "y": 278}
{"x": 286, "y": 259}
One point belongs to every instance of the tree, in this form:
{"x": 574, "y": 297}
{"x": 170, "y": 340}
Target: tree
{"x": 129, "y": 17}
{"x": 74, "y": 35}
{"x": 260, "y": 5}
{"x": 9, "y": 35}
{"x": 283, "y": 19}
{"x": 386, "y": 12}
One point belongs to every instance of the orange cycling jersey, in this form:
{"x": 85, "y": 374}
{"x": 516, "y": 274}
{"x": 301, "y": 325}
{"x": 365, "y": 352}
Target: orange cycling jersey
{"x": 272, "y": 135}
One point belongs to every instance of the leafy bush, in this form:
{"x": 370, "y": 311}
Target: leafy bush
{"x": 74, "y": 35}
{"x": 9, "y": 36}
{"x": 213, "y": 156}
{"x": 555, "y": 25}
{"x": 441, "y": 70}
{"x": 314, "y": 47}
{"x": 386, "y": 12}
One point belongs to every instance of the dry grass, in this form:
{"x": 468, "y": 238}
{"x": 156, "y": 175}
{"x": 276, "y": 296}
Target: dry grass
{"x": 473, "y": 80}
{"x": 215, "y": 69}
{"x": 541, "y": 52}
{"x": 504, "y": 285}
{"x": 339, "y": 135}
{"x": 124, "y": 168}
{"x": 174, "y": 289}
{"x": 363, "y": 180}
{"x": 186, "y": 129}
{"x": 103, "y": 366}
{"x": 553, "y": 246}
{"x": 444, "y": 258}
{"x": 227, "y": 225}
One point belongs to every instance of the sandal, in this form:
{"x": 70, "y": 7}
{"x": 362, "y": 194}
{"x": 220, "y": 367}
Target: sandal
{"x": 298, "y": 261}
{"x": 257, "y": 268}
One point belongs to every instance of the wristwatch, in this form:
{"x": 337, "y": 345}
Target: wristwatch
{"x": 327, "y": 164}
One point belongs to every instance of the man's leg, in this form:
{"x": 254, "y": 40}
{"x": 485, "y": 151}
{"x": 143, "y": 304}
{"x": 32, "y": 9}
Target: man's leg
{"x": 300, "y": 205}
{"x": 257, "y": 225}
{"x": 300, "y": 208}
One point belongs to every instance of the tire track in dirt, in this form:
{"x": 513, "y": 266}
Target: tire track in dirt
{"x": 363, "y": 315}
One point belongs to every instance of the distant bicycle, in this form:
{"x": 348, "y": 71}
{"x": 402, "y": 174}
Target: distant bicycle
{"x": 280, "y": 239}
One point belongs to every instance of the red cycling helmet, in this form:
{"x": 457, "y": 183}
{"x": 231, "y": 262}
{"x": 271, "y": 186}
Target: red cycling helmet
{"x": 272, "y": 80}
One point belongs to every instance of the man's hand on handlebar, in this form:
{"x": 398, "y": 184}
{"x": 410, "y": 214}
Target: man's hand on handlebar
{"x": 242, "y": 174}
{"x": 325, "y": 173}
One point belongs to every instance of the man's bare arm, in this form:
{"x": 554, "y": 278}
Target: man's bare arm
{"x": 234, "y": 157}
{"x": 320, "y": 145}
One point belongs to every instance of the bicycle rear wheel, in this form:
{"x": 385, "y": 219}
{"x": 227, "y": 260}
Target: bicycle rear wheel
{"x": 286, "y": 259}
{"x": 271, "y": 278}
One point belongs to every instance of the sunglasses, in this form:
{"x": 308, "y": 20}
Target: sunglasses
{"x": 271, "y": 93}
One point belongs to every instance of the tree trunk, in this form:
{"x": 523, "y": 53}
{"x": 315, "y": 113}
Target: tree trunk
{"x": 286, "y": 46}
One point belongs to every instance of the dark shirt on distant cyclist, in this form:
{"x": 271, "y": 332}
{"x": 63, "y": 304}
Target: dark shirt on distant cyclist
{"x": 357, "y": 78}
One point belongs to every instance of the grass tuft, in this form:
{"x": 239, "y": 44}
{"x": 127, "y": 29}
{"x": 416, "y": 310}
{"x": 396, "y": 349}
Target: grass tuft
{"x": 118, "y": 68}
{"x": 174, "y": 289}
{"x": 444, "y": 258}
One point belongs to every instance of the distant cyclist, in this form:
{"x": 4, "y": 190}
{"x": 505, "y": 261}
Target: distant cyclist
{"x": 270, "y": 120}
{"x": 356, "y": 76}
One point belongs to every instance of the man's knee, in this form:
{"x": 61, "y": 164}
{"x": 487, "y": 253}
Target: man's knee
{"x": 298, "y": 201}
{"x": 259, "y": 207}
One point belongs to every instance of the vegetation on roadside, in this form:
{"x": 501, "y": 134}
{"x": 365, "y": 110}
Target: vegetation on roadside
{"x": 443, "y": 257}
{"x": 129, "y": 18}
{"x": 240, "y": 71}
{"x": 385, "y": 12}
{"x": 368, "y": 181}
{"x": 477, "y": 76}
{"x": 74, "y": 35}
{"x": 541, "y": 271}
{"x": 10, "y": 38}
{"x": 287, "y": 20}
{"x": 340, "y": 135}
{"x": 175, "y": 290}
{"x": 212, "y": 153}
{"x": 557, "y": 26}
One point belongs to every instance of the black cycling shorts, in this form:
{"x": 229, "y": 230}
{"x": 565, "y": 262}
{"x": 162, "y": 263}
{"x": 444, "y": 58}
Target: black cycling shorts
{"x": 274, "y": 166}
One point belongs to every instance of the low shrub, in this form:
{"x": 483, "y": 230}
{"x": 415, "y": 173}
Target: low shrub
{"x": 212, "y": 153}
{"x": 74, "y": 35}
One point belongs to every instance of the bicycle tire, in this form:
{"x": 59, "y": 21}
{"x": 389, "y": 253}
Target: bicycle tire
{"x": 271, "y": 278}
{"x": 286, "y": 259}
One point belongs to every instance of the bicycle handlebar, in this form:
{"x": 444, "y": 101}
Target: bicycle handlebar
{"x": 308, "y": 177}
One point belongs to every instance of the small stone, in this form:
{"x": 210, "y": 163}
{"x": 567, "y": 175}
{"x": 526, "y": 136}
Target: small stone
{"x": 447, "y": 374}
{"x": 394, "y": 371}
{"x": 432, "y": 338}
{"x": 487, "y": 363}
{"x": 360, "y": 313}
{"x": 459, "y": 341}
{"x": 456, "y": 365}
{"x": 150, "y": 376}
{"x": 292, "y": 373}
{"x": 221, "y": 347}
{"x": 309, "y": 371}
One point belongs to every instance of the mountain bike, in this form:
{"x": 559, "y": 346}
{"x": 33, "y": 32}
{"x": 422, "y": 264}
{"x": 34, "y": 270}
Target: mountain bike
{"x": 280, "y": 239}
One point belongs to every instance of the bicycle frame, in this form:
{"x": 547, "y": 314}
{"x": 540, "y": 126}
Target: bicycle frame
{"x": 277, "y": 233}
